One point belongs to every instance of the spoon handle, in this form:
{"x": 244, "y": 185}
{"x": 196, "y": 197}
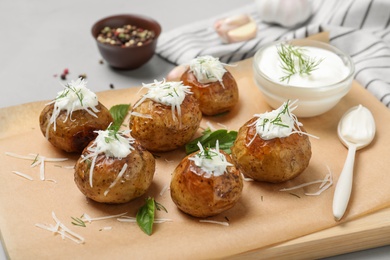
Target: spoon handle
{"x": 344, "y": 185}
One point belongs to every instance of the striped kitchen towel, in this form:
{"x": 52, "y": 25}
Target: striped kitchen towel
{"x": 360, "y": 28}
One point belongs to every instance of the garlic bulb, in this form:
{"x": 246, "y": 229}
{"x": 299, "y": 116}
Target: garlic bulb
{"x": 287, "y": 13}
{"x": 236, "y": 28}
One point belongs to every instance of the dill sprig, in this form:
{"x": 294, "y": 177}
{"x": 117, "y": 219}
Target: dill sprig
{"x": 78, "y": 222}
{"x": 278, "y": 119}
{"x": 67, "y": 90}
{"x": 112, "y": 135}
{"x": 207, "y": 153}
{"x": 35, "y": 159}
{"x": 294, "y": 61}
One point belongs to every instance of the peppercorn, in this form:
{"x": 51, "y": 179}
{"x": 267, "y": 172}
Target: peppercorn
{"x": 83, "y": 76}
{"x": 125, "y": 36}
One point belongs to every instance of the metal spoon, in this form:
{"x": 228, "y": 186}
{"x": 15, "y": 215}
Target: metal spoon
{"x": 356, "y": 130}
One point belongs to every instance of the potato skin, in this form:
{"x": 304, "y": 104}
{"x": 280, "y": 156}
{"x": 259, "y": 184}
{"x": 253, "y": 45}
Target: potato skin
{"x": 202, "y": 197}
{"x": 134, "y": 182}
{"x": 214, "y": 98}
{"x": 161, "y": 133}
{"x": 276, "y": 160}
{"x": 76, "y": 132}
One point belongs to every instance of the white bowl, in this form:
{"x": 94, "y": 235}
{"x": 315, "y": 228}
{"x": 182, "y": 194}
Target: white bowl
{"x": 312, "y": 101}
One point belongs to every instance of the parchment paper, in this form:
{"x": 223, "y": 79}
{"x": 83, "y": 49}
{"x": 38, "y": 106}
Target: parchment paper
{"x": 263, "y": 216}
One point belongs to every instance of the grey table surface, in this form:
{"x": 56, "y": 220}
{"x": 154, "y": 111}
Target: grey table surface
{"x": 40, "y": 38}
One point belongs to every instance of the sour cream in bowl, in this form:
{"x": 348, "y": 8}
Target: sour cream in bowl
{"x": 316, "y": 74}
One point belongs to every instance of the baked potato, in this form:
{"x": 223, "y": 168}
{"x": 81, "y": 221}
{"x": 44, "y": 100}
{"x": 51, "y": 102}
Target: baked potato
{"x": 160, "y": 127}
{"x": 202, "y": 195}
{"x": 69, "y": 121}
{"x": 115, "y": 180}
{"x": 73, "y": 135}
{"x": 216, "y": 96}
{"x": 275, "y": 160}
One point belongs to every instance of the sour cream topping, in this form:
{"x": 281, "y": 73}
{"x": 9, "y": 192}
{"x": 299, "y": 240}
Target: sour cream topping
{"x": 278, "y": 123}
{"x": 357, "y": 125}
{"x": 330, "y": 69}
{"x": 112, "y": 144}
{"x": 75, "y": 96}
{"x": 167, "y": 93}
{"x": 211, "y": 161}
{"x": 207, "y": 69}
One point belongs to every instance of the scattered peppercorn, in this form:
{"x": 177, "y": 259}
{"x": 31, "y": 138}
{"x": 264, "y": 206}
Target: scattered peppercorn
{"x": 83, "y": 76}
{"x": 111, "y": 86}
{"x": 125, "y": 36}
{"x": 64, "y": 73}
{"x": 101, "y": 61}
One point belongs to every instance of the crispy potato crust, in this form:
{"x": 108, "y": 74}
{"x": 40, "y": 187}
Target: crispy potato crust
{"x": 276, "y": 160}
{"x": 162, "y": 133}
{"x": 135, "y": 181}
{"x": 199, "y": 196}
{"x": 214, "y": 98}
{"x": 75, "y": 133}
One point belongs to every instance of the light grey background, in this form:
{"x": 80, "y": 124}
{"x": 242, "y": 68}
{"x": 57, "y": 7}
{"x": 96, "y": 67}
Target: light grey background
{"x": 40, "y": 38}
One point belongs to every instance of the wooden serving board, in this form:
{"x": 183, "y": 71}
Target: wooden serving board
{"x": 265, "y": 223}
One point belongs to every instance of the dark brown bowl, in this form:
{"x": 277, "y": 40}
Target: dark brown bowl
{"x": 127, "y": 57}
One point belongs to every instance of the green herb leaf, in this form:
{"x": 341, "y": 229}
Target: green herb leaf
{"x": 118, "y": 113}
{"x": 78, "y": 222}
{"x": 35, "y": 159}
{"x": 278, "y": 119}
{"x": 145, "y": 215}
{"x": 209, "y": 139}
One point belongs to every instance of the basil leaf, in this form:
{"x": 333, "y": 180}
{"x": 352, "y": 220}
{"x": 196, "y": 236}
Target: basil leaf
{"x": 193, "y": 145}
{"x": 118, "y": 113}
{"x": 209, "y": 139}
{"x": 145, "y": 216}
